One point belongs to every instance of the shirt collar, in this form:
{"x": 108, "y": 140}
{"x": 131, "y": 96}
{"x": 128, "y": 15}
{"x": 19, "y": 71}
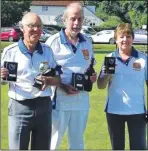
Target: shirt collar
{"x": 64, "y": 39}
{"x": 24, "y": 49}
{"x": 134, "y": 53}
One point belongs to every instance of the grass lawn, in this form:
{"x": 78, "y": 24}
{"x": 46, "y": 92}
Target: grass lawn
{"x": 96, "y": 134}
{"x": 106, "y": 47}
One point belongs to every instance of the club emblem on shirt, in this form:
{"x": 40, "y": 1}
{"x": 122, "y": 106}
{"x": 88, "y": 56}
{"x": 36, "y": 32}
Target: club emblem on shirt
{"x": 85, "y": 54}
{"x": 136, "y": 66}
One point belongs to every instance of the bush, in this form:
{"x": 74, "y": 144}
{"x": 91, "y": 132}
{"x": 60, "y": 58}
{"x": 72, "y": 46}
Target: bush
{"x": 111, "y": 23}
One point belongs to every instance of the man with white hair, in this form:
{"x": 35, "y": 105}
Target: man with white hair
{"x": 74, "y": 52}
{"x": 29, "y": 110}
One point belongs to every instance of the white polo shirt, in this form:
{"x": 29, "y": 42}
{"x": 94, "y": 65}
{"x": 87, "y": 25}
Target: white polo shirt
{"x": 126, "y": 94}
{"x": 71, "y": 62}
{"x": 28, "y": 69}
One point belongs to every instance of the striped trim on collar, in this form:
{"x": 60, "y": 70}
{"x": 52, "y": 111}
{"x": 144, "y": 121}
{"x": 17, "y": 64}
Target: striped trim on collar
{"x": 24, "y": 49}
{"x": 134, "y": 53}
{"x": 64, "y": 39}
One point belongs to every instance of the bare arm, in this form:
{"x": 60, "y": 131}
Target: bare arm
{"x": 103, "y": 78}
{"x": 53, "y": 80}
{"x": 102, "y": 81}
{"x": 49, "y": 81}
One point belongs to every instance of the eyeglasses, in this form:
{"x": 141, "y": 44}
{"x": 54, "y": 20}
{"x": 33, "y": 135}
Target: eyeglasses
{"x": 31, "y": 26}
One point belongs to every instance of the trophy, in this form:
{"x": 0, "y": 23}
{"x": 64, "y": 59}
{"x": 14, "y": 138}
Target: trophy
{"x": 42, "y": 69}
{"x": 12, "y": 69}
{"x": 82, "y": 81}
{"x": 110, "y": 65}
{"x": 88, "y": 84}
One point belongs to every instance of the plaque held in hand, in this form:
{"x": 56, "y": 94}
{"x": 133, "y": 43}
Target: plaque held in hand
{"x": 78, "y": 81}
{"x": 110, "y": 65}
{"x": 12, "y": 69}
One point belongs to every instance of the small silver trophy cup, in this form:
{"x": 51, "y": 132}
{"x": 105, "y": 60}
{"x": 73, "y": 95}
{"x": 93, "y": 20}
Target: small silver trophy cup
{"x": 43, "y": 67}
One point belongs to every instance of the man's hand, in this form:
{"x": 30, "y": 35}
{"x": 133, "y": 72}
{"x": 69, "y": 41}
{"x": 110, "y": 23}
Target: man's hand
{"x": 49, "y": 81}
{"x": 4, "y": 72}
{"x": 69, "y": 89}
{"x": 44, "y": 80}
{"x": 93, "y": 78}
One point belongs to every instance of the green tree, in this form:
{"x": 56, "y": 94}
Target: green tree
{"x": 101, "y": 13}
{"x": 138, "y": 13}
{"x": 92, "y": 2}
{"x": 111, "y": 23}
{"x": 12, "y": 11}
{"x": 134, "y": 12}
{"x": 117, "y": 8}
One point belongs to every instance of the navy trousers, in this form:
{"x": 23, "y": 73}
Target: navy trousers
{"x": 136, "y": 128}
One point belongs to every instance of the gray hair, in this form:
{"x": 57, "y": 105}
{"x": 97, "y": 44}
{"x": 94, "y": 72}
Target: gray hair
{"x": 70, "y": 6}
{"x": 26, "y": 17}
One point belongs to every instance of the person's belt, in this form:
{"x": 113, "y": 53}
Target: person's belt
{"x": 31, "y": 99}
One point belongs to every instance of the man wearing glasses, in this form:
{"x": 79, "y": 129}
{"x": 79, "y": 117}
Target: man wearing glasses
{"x": 29, "y": 109}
